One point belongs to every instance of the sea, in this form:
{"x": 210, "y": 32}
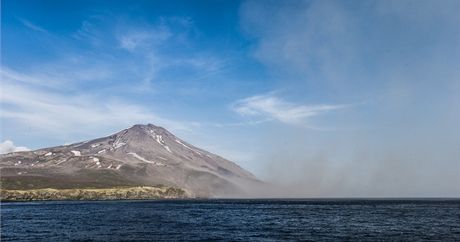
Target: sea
{"x": 233, "y": 220}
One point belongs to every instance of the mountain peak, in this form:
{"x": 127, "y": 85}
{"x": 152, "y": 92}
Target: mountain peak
{"x": 143, "y": 154}
{"x": 149, "y": 128}
{"x": 143, "y": 130}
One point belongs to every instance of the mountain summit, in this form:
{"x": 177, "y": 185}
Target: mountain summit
{"x": 143, "y": 155}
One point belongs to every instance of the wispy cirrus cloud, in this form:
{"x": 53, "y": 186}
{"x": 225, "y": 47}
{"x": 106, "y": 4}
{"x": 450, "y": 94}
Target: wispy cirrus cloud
{"x": 165, "y": 46}
{"x": 62, "y": 74}
{"x": 97, "y": 91}
{"x": 272, "y": 107}
{"x": 144, "y": 38}
{"x": 32, "y": 26}
{"x": 66, "y": 113}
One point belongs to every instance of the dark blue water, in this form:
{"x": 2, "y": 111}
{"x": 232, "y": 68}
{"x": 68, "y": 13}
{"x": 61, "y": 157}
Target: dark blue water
{"x": 235, "y": 220}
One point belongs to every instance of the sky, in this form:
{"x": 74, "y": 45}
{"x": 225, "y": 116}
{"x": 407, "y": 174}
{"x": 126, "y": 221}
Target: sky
{"x": 321, "y": 98}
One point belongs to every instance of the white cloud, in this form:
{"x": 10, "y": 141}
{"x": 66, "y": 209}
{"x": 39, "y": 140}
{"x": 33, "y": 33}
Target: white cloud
{"x": 144, "y": 38}
{"x": 8, "y": 146}
{"x": 32, "y": 26}
{"x": 91, "y": 93}
{"x": 149, "y": 42}
{"x": 63, "y": 113}
{"x": 302, "y": 37}
{"x": 60, "y": 75}
{"x": 270, "y": 106}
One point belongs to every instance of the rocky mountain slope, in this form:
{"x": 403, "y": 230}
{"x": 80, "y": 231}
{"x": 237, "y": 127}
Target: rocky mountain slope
{"x": 143, "y": 155}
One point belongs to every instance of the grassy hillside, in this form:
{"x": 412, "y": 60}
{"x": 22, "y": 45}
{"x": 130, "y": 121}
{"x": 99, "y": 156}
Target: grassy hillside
{"x": 92, "y": 194}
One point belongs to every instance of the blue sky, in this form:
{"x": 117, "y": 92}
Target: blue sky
{"x": 335, "y": 97}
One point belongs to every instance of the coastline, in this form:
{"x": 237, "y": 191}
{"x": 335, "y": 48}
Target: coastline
{"x": 92, "y": 194}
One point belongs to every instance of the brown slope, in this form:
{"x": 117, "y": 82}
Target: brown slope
{"x": 140, "y": 155}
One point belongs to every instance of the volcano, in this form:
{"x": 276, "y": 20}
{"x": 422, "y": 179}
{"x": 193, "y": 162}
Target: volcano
{"x": 143, "y": 155}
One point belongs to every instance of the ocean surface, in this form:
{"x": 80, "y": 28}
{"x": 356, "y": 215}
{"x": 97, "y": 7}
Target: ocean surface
{"x": 232, "y": 220}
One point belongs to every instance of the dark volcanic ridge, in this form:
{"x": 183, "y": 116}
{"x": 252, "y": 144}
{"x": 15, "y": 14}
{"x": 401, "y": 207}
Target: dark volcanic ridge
{"x": 143, "y": 155}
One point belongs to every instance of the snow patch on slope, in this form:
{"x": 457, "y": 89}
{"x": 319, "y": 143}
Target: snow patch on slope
{"x": 76, "y": 152}
{"x": 159, "y": 139}
{"x": 145, "y": 160}
{"x": 186, "y": 146}
{"x": 118, "y": 144}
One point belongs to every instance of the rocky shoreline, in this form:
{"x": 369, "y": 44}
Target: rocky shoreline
{"x": 123, "y": 193}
